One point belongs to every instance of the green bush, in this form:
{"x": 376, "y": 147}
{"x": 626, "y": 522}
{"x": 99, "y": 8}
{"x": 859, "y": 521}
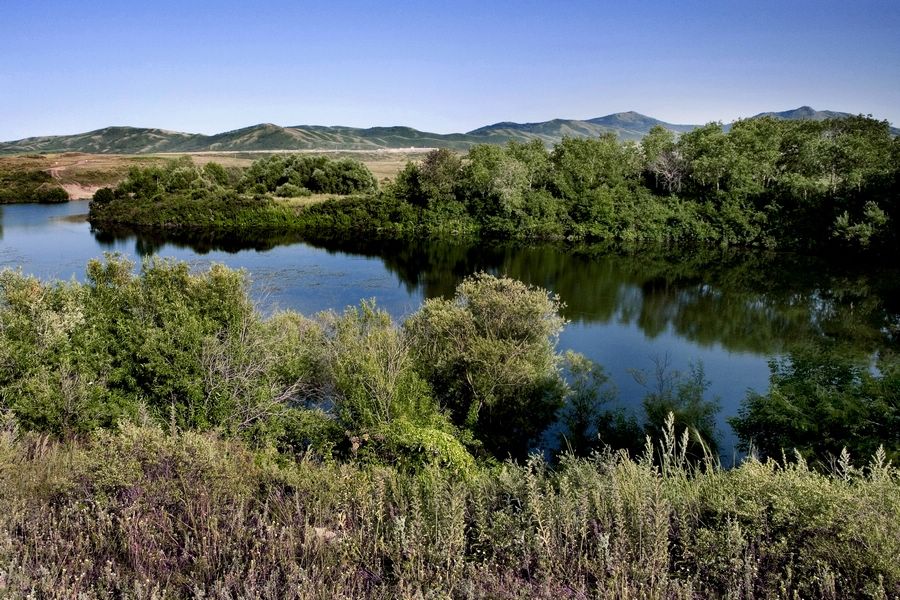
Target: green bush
{"x": 51, "y": 195}
{"x": 185, "y": 347}
{"x": 490, "y": 356}
{"x": 318, "y": 174}
{"x": 289, "y": 190}
{"x": 380, "y": 398}
{"x": 821, "y": 403}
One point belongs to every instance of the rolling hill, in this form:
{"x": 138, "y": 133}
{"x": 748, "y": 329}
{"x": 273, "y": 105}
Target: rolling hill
{"x": 268, "y": 137}
{"x": 627, "y": 126}
{"x": 807, "y": 113}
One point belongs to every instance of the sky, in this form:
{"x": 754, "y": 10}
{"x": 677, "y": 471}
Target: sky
{"x": 207, "y": 67}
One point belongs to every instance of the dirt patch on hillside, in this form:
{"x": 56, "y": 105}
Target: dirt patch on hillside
{"x": 78, "y": 191}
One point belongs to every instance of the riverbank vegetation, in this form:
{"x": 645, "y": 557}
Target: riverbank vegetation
{"x": 21, "y": 181}
{"x": 765, "y": 182}
{"x": 54, "y": 178}
{"x": 142, "y": 512}
{"x": 479, "y": 371}
{"x": 173, "y": 439}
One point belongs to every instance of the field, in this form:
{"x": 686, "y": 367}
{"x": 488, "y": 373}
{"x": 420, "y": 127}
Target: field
{"x": 80, "y": 174}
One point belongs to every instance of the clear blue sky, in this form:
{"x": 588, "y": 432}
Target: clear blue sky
{"x": 67, "y": 67}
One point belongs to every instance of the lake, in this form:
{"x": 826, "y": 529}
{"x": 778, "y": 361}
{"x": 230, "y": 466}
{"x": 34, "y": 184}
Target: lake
{"x": 731, "y": 311}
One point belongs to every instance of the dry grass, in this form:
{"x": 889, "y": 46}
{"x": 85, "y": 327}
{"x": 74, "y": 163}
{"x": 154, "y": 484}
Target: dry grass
{"x": 304, "y": 201}
{"x": 75, "y": 167}
{"x": 142, "y": 514}
{"x": 77, "y": 173}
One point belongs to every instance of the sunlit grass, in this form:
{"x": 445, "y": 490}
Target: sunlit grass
{"x": 304, "y": 201}
{"x": 142, "y": 513}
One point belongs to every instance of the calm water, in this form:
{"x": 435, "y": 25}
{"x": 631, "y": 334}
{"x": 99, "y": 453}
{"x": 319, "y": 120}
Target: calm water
{"x": 731, "y": 312}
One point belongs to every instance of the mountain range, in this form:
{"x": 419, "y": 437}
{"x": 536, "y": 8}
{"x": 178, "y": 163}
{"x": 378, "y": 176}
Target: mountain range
{"x": 268, "y": 137}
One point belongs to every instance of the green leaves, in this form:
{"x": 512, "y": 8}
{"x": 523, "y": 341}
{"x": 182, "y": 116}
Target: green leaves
{"x": 76, "y": 357}
{"x": 821, "y": 402}
{"x": 318, "y": 174}
{"x": 490, "y": 356}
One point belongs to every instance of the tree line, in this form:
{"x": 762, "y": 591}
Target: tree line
{"x": 763, "y": 182}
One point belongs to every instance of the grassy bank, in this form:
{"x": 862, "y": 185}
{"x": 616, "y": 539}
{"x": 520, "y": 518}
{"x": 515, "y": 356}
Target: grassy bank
{"x": 272, "y": 193}
{"x": 43, "y": 177}
{"x": 142, "y": 513}
{"x": 60, "y": 177}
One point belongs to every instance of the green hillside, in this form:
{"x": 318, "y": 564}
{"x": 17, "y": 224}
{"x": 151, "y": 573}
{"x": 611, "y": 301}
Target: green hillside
{"x": 627, "y": 126}
{"x": 268, "y": 137}
{"x": 109, "y": 140}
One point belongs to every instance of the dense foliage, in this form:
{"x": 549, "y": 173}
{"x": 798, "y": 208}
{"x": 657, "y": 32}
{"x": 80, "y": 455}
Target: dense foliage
{"x": 490, "y": 356}
{"x": 295, "y": 174}
{"x": 821, "y": 402}
{"x": 182, "y": 195}
{"x": 764, "y": 182}
{"x": 477, "y": 376}
{"x": 190, "y": 351}
{"x": 204, "y": 447}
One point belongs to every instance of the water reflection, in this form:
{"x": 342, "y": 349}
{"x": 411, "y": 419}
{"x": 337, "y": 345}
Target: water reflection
{"x": 751, "y": 302}
{"x": 148, "y": 243}
{"x": 733, "y": 311}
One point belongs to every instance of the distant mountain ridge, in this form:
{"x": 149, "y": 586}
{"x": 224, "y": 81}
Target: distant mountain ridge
{"x": 626, "y": 125}
{"x": 805, "y": 113}
{"x": 268, "y": 137}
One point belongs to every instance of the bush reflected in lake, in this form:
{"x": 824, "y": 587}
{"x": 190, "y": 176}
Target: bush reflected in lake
{"x": 756, "y": 302}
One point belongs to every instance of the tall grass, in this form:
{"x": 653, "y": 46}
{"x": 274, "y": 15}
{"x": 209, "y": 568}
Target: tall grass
{"x": 147, "y": 514}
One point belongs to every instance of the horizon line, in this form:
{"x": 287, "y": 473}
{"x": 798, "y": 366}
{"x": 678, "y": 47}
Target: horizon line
{"x": 297, "y": 126}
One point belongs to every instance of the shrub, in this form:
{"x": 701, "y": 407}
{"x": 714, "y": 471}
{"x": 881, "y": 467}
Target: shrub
{"x": 51, "y": 195}
{"x": 185, "y": 347}
{"x": 318, "y": 174}
{"x": 489, "y": 354}
{"x": 380, "y": 398}
{"x": 289, "y": 190}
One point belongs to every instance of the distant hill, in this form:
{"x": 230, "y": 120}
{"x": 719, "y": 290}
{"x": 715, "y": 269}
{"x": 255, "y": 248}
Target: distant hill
{"x": 266, "y": 136}
{"x": 808, "y": 113}
{"x": 636, "y": 123}
{"x": 805, "y": 113}
{"x": 111, "y": 140}
{"x": 626, "y": 125}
